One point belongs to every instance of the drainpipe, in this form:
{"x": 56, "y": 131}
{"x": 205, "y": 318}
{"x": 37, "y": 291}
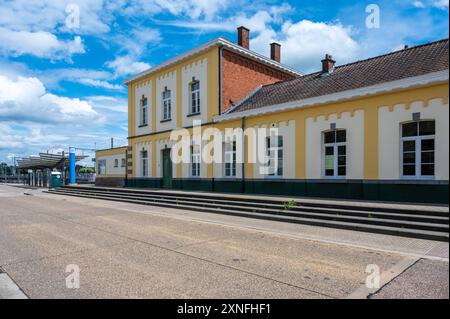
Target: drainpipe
{"x": 220, "y": 79}
{"x": 244, "y": 148}
{"x": 126, "y": 167}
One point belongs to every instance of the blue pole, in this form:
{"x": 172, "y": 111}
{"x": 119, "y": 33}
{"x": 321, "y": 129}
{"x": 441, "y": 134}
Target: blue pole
{"x": 72, "y": 165}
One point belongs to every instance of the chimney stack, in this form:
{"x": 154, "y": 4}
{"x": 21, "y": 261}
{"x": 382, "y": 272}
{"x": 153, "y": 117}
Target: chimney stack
{"x": 244, "y": 37}
{"x": 328, "y": 64}
{"x": 275, "y": 52}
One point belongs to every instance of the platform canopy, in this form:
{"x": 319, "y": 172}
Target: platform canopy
{"x": 45, "y": 160}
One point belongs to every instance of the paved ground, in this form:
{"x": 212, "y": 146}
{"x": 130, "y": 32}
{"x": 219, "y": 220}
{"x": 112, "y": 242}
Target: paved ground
{"x": 131, "y": 251}
{"x": 424, "y": 279}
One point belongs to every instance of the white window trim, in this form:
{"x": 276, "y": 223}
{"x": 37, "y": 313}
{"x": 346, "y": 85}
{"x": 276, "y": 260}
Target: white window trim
{"x": 418, "y": 155}
{"x": 275, "y": 148}
{"x": 336, "y": 157}
{"x": 197, "y": 98}
{"x": 198, "y": 159}
{"x": 233, "y": 157}
{"x": 167, "y": 105}
{"x": 143, "y": 111}
{"x": 144, "y": 164}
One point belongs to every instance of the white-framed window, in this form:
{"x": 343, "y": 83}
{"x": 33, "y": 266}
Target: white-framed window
{"x": 334, "y": 154}
{"x": 418, "y": 149}
{"x": 195, "y": 97}
{"x": 143, "y": 111}
{"x": 124, "y": 162}
{"x": 116, "y": 162}
{"x": 144, "y": 163}
{"x": 195, "y": 160}
{"x": 101, "y": 167}
{"x": 166, "y": 105}
{"x": 230, "y": 159}
{"x": 275, "y": 154}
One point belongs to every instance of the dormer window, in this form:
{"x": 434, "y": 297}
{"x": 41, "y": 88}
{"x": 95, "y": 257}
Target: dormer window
{"x": 166, "y": 105}
{"x": 143, "y": 111}
{"x": 195, "y": 96}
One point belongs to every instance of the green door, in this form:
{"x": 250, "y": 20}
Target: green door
{"x": 167, "y": 168}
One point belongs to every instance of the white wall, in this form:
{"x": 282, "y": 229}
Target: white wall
{"x": 199, "y": 71}
{"x": 145, "y": 89}
{"x": 110, "y": 169}
{"x": 389, "y": 136}
{"x": 168, "y": 80}
{"x": 137, "y": 158}
{"x": 355, "y": 143}
{"x": 287, "y": 130}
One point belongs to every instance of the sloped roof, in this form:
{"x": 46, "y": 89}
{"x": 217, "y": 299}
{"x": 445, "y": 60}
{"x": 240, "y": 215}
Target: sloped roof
{"x": 406, "y": 63}
{"x": 216, "y": 43}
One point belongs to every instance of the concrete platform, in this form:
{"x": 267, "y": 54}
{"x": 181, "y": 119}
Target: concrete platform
{"x": 132, "y": 251}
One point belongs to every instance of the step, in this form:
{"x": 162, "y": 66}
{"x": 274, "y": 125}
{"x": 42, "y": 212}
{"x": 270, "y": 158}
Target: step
{"x": 423, "y": 234}
{"x": 393, "y": 208}
{"x": 341, "y": 218}
{"x": 255, "y": 206}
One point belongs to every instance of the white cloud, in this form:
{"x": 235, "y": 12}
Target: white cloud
{"x": 41, "y": 44}
{"x": 305, "y": 43}
{"x": 93, "y": 78}
{"x": 101, "y": 84}
{"x": 193, "y": 9}
{"x": 25, "y": 100}
{"x": 50, "y": 15}
{"x": 125, "y": 65}
{"x": 441, "y": 4}
{"x": 419, "y": 4}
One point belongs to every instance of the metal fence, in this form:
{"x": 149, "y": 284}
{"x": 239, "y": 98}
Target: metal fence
{"x": 42, "y": 179}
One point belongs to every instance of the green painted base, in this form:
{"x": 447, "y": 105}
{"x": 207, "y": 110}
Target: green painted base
{"x": 431, "y": 192}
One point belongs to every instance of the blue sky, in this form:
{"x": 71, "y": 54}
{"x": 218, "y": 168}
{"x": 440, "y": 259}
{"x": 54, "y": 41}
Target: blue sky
{"x": 61, "y": 81}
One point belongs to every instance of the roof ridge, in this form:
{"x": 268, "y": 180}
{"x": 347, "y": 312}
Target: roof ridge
{"x": 363, "y": 60}
{"x": 394, "y": 52}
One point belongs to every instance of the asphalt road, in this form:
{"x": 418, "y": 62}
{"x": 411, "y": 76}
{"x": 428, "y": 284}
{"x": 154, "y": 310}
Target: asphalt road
{"x": 130, "y": 251}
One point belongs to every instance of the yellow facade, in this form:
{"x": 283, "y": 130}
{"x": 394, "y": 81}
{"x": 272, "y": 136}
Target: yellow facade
{"x": 370, "y": 105}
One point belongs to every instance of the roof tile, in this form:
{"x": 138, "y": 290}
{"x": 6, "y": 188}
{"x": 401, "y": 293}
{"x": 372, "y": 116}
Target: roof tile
{"x": 410, "y": 62}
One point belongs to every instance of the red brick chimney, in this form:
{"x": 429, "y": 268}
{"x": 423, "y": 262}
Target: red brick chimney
{"x": 244, "y": 37}
{"x": 275, "y": 52}
{"x": 328, "y": 64}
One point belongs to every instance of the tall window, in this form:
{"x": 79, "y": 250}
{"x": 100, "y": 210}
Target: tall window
{"x": 123, "y": 162}
{"x": 167, "y": 104}
{"x": 143, "y": 109}
{"x": 116, "y": 162}
{"x": 335, "y": 153}
{"x": 195, "y": 160}
{"x": 275, "y": 154}
{"x": 195, "y": 97}
{"x": 418, "y": 147}
{"x": 230, "y": 159}
{"x": 144, "y": 163}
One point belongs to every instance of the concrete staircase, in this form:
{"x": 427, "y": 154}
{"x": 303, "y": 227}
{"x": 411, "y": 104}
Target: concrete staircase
{"x": 426, "y": 222}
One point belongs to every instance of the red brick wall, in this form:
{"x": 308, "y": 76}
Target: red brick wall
{"x": 241, "y": 76}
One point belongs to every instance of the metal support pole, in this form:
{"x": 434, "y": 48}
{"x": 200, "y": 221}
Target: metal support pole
{"x": 72, "y": 165}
